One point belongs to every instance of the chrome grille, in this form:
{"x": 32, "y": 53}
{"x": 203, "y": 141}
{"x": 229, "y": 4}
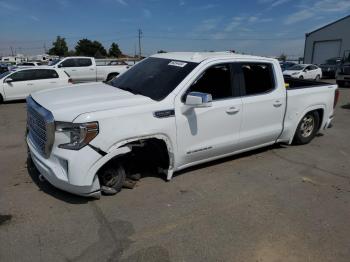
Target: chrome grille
{"x": 40, "y": 127}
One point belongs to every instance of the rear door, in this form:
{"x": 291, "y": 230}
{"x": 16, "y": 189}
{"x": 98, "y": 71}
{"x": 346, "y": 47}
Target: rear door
{"x": 87, "y": 70}
{"x": 44, "y": 79}
{"x": 263, "y": 104}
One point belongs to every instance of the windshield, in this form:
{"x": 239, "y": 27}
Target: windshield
{"x": 54, "y": 62}
{"x": 155, "y": 78}
{"x": 5, "y": 74}
{"x": 296, "y": 67}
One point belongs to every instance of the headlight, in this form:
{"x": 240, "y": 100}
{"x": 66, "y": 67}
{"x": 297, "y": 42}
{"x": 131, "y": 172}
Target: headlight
{"x": 80, "y": 134}
{"x": 296, "y": 73}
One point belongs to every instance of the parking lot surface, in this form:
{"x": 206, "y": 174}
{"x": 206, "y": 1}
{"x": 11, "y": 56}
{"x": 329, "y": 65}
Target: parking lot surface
{"x": 282, "y": 203}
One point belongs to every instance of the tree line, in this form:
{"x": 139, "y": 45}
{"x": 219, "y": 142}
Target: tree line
{"x": 84, "y": 47}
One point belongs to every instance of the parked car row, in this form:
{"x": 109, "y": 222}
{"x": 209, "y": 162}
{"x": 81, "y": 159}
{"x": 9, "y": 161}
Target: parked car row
{"x": 20, "y": 81}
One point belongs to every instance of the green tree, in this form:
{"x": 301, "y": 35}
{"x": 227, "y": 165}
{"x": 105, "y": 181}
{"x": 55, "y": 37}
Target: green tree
{"x": 282, "y": 57}
{"x": 71, "y": 53}
{"x": 59, "y": 47}
{"x": 114, "y": 50}
{"x": 161, "y": 51}
{"x": 90, "y": 48}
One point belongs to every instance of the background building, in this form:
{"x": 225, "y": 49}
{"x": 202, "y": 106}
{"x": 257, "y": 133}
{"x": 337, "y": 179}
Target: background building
{"x": 327, "y": 42}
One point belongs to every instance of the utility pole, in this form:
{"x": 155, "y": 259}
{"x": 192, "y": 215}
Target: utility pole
{"x": 11, "y": 50}
{"x": 45, "y": 51}
{"x": 140, "y": 35}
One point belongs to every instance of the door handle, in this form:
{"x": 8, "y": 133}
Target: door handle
{"x": 92, "y": 69}
{"x": 29, "y": 84}
{"x": 232, "y": 110}
{"x": 73, "y": 70}
{"x": 52, "y": 82}
{"x": 277, "y": 104}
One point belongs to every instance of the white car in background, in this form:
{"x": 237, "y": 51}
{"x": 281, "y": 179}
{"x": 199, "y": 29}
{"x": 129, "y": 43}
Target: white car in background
{"x": 304, "y": 71}
{"x": 20, "y": 83}
{"x": 84, "y": 69}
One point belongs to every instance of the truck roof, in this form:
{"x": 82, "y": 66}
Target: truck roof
{"x": 198, "y": 57}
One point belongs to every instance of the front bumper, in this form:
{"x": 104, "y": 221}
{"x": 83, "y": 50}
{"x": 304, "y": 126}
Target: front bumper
{"x": 68, "y": 170}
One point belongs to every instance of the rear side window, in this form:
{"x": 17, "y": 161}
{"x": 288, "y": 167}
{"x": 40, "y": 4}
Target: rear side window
{"x": 258, "y": 78}
{"x": 69, "y": 63}
{"x": 84, "y": 62}
{"x": 216, "y": 81}
{"x": 45, "y": 74}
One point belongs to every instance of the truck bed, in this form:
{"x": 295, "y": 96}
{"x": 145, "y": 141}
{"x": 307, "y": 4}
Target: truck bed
{"x": 303, "y": 96}
{"x": 296, "y": 83}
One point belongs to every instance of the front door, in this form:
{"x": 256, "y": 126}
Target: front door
{"x": 206, "y": 132}
{"x": 71, "y": 67}
{"x": 20, "y": 85}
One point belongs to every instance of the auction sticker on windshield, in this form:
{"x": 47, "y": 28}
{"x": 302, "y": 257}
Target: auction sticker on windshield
{"x": 177, "y": 63}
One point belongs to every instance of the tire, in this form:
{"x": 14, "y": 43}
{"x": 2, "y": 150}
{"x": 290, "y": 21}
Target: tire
{"x": 111, "y": 76}
{"x": 318, "y": 78}
{"x": 301, "y": 77}
{"x": 307, "y": 128}
{"x": 1, "y": 99}
{"x": 112, "y": 178}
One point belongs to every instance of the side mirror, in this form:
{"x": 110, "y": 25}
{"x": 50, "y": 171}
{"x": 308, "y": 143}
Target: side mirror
{"x": 198, "y": 99}
{"x": 59, "y": 66}
{"x": 8, "y": 80}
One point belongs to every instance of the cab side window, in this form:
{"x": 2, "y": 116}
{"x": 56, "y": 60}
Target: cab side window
{"x": 258, "y": 78}
{"x": 216, "y": 81}
{"x": 82, "y": 62}
{"x": 45, "y": 74}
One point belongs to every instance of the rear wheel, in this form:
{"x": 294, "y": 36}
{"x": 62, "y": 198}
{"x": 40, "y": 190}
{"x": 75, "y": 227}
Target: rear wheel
{"x": 307, "y": 128}
{"x": 317, "y": 78}
{"x": 112, "y": 178}
{"x": 301, "y": 77}
{"x": 1, "y": 99}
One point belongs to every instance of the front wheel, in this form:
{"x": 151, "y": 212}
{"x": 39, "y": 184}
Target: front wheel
{"x": 317, "y": 78}
{"x": 112, "y": 178}
{"x": 307, "y": 128}
{"x": 301, "y": 77}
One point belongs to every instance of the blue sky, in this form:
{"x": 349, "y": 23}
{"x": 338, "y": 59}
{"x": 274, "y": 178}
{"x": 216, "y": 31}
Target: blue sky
{"x": 263, "y": 27}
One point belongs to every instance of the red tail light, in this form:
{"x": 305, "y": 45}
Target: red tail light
{"x": 70, "y": 81}
{"x": 336, "y": 97}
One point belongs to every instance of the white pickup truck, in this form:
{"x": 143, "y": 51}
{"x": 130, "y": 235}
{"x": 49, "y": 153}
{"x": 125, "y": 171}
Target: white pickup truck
{"x": 169, "y": 112}
{"x": 84, "y": 69}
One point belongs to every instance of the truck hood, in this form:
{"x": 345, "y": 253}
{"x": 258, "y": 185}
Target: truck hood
{"x": 66, "y": 103}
